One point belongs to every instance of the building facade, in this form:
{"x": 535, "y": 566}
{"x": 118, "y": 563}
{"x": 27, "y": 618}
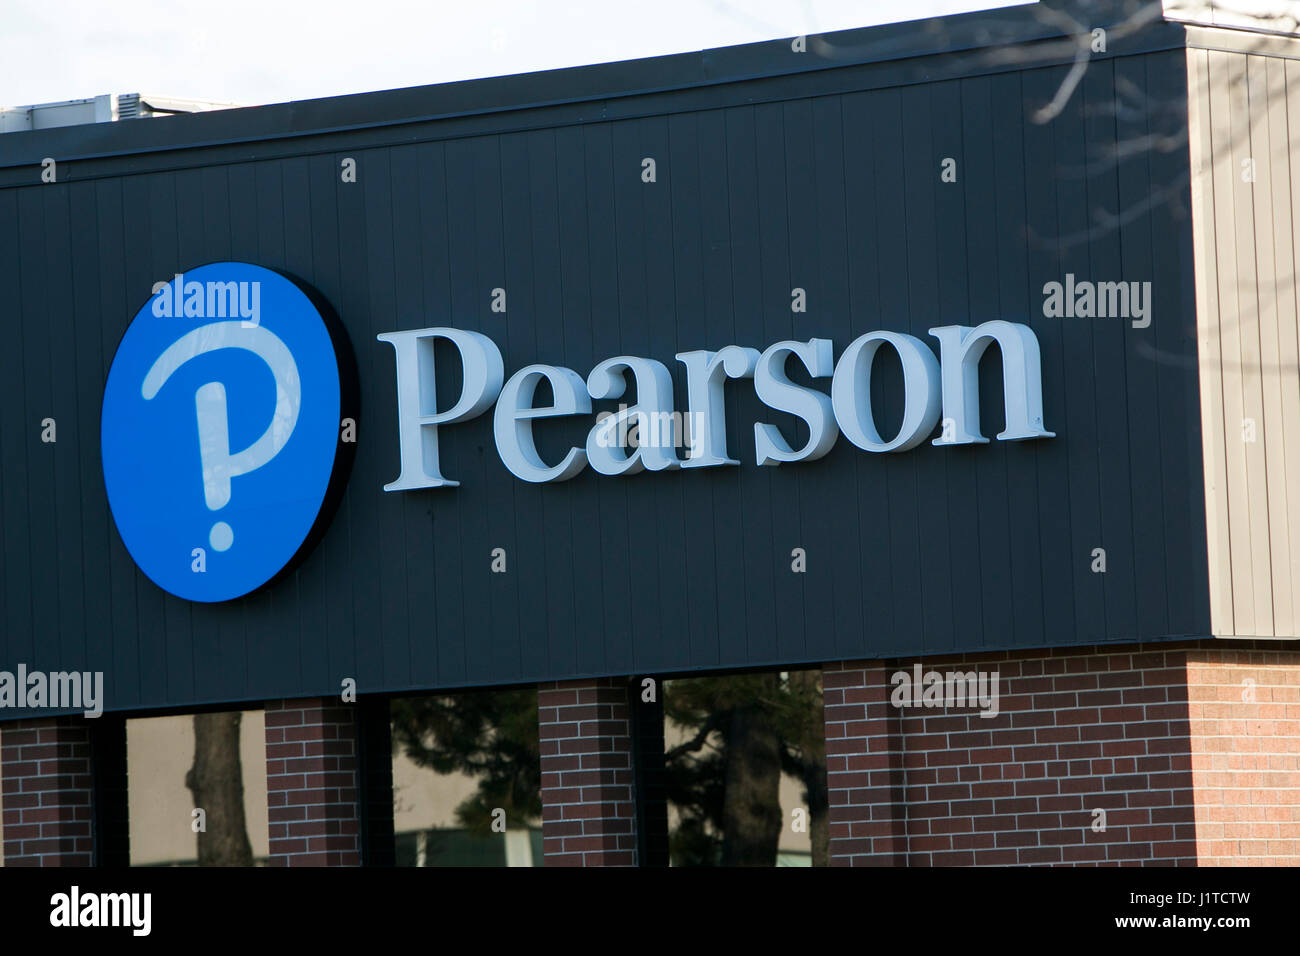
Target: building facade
{"x": 956, "y": 360}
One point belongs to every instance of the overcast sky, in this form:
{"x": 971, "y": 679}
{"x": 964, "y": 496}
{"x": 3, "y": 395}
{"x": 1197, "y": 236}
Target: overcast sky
{"x": 261, "y": 51}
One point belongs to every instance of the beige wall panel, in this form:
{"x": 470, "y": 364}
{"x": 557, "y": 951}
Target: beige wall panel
{"x": 1276, "y": 294}
{"x": 1205, "y": 257}
{"x": 1244, "y": 130}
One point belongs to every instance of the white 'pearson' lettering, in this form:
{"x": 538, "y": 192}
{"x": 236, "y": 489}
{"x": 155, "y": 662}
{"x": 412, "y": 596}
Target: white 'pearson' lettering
{"x": 947, "y": 387}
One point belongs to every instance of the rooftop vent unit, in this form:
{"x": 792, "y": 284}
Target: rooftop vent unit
{"x": 100, "y": 109}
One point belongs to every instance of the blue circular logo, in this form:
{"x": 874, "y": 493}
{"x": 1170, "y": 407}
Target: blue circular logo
{"x": 220, "y": 432}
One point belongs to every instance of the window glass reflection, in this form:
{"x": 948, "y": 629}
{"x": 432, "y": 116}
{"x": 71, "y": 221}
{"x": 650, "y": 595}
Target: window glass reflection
{"x": 467, "y": 779}
{"x": 746, "y": 770}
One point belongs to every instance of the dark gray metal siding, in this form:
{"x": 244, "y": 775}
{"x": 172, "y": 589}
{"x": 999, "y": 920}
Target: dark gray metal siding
{"x": 831, "y": 184}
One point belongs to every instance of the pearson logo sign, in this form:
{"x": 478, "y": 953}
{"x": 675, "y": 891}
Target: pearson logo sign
{"x": 220, "y": 432}
{"x": 937, "y": 392}
{"x": 226, "y": 438}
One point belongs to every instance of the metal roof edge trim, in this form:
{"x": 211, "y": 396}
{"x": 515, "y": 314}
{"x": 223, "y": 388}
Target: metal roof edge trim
{"x": 602, "y": 81}
{"x": 1229, "y": 39}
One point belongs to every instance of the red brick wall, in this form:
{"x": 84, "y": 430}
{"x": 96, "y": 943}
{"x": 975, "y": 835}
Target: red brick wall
{"x": 588, "y": 811}
{"x": 1212, "y": 779}
{"x": 311, "y": 783}
{"x": 47, "y": 792}
{"x": 1244, "y": 712}
{"x": 863, "y": 760}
